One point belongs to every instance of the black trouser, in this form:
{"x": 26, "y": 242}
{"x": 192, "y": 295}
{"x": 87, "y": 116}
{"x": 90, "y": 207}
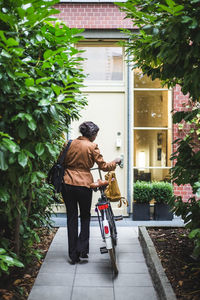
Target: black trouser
{"x": 74, "y": 196}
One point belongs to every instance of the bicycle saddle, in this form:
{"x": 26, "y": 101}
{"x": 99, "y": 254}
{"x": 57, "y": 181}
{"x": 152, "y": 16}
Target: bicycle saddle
{"x": 98, "y": 184}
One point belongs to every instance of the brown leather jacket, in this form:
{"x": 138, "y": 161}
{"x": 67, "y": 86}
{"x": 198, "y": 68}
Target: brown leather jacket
{"x": 80, "y": 158}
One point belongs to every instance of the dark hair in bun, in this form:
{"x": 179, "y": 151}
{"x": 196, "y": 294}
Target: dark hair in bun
{"x": 88, "y": 129}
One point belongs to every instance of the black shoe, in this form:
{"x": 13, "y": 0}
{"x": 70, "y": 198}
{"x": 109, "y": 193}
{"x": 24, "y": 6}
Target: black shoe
{"x": 82, "y": 255}
{"x": 73, "y": 262}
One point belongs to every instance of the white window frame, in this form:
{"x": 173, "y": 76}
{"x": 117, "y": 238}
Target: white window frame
{"x": 105, "y": 85}
{"x": 153, "y": 128}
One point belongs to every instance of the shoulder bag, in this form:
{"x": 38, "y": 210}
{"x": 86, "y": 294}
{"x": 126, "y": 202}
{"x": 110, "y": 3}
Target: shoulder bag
{"x": 56, "y": 173}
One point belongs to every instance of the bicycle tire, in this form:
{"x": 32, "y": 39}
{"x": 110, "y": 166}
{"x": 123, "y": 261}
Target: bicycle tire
{"x": 113, "y": 260}
{"x": 112, "y": 225}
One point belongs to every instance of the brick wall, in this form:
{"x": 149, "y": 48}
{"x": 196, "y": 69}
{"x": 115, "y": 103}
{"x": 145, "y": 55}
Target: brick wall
{"x": 93, "y": 16}
{"x": 178, "y": 100}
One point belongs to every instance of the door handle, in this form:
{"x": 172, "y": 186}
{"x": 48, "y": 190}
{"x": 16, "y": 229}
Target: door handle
{"x": 122, "y": 161}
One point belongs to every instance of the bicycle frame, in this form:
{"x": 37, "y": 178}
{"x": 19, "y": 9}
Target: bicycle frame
{"x": 106, "y": 224}
{"x": 103, "y": 209}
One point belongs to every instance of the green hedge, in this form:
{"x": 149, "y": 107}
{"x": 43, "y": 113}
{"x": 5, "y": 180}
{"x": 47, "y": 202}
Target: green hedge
{"x": 144, "y": 192}
{"x": 162, "y": 191}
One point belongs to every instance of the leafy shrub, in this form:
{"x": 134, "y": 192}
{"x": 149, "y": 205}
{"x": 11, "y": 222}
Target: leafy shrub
{"x": 40, "y": 93}
{"x": 162, "y": 191}
{"x": 142, "y": 192}
{"x": 190, "y": 213}
{"x": 8, "y": 260}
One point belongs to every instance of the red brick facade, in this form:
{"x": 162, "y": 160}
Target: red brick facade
{"x": 178, "y": 101}
{"x": 93, "y": 16}
{"x": 108, "y": 16}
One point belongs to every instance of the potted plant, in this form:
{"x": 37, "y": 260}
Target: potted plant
{"x": 162, "y": 192}
{"x": 142, "y": 195}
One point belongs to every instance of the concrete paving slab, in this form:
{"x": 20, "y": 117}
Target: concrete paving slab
{"x": 50, "y": 293}
{"x": 91, "y": 293}
{"x": 94, "y": 268}
{"x": 130, "y": 257}
{"x": 125, "y": 280}
{"x": 126, "y": 240}
{"x": 135, "y": 293}
{"x": 129, "y": 248}
{"x": 59, "y": 255}
{"x": 98, "y": 280}
{"x": 132, "y": 268}
{"x": 55, "y": 279}
{"x": 52, "y": 266}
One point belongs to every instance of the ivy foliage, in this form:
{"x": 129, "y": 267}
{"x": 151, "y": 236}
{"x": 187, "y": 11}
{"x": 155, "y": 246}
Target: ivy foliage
{"x": 165, "y": 44}
{"x": 40, "y": 94}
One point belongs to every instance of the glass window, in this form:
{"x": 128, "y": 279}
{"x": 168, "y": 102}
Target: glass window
{"x": 152, "y": 175}
{"x": 151, "y": 109}
{"x": 103, "y": 63}
{"x": 152, "y": 148}
{"x": 152, "y": 129}
{"x": 143, "y": 81}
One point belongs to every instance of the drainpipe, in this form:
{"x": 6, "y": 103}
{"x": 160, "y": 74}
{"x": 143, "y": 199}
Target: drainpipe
{"x": 129, "y": 134}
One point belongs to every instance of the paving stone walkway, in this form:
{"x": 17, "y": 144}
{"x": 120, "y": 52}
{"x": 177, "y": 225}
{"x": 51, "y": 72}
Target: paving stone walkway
{"x": 93, "y": 278}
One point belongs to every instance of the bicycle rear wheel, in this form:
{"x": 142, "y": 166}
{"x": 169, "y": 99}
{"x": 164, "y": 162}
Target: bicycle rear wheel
{"x": 112, "y": 255}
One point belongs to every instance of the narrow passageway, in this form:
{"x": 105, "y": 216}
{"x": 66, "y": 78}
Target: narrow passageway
{"x": 94, "y": 279}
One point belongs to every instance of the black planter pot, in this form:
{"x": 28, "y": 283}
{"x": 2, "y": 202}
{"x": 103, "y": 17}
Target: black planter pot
{"x": 141, "y": 211}
{"x": 162, "y": 212}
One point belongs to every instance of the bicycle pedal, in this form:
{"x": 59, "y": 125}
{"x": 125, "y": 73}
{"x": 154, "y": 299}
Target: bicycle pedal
{"x": 118, "y": 218}
{"x": 103, "y": 250}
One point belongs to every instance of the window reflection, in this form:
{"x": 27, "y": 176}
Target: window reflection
{"x": 151, "y": 109}
{"x": 152, "y": 148}
{"x": 152, "y": 175}
{"x": 103, "y": 63}
{"x": 143, "y": 81}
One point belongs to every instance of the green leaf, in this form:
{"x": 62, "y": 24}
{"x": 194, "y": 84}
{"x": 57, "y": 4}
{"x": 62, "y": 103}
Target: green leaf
{"x": 39, "y": 149}
{"x": 10, "y": 145}
{"x": 51, "y": 149}
{"x": 57, "y": 89}
{"x": 170, "y": 3}
{"x": 2, "y": 251}
{"x": 22, "y": 159}
{"x": 4, "y": 195}
{"x": 34, "y": 177}
{"x": 43, "y": 79}
{"x": 18, "y": 51}
{"x": 39, "y": 37}
{"x": 17, "y": 263}
{"x": 61, "y": 97}
{"x": 194, "y": 232}
{"x": 5, "y": 54}
{"x": 12, "y": 42}
{"x": 32, "y": 125}
{"x": 29, "y": 81}
{"x": 3, "y": 163}
{"x": 45, "y": 102}
{"x": 3, "y": 266}
{"x": 48, "y": 54}
{"x": 21, "y": 74}
{"x": 41, "y": 174}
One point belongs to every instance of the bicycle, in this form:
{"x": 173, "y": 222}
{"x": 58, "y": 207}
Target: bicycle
{"x": 106, "y": 220}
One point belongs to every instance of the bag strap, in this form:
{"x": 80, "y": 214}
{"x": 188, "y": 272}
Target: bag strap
{"x": 62, "y": 157}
